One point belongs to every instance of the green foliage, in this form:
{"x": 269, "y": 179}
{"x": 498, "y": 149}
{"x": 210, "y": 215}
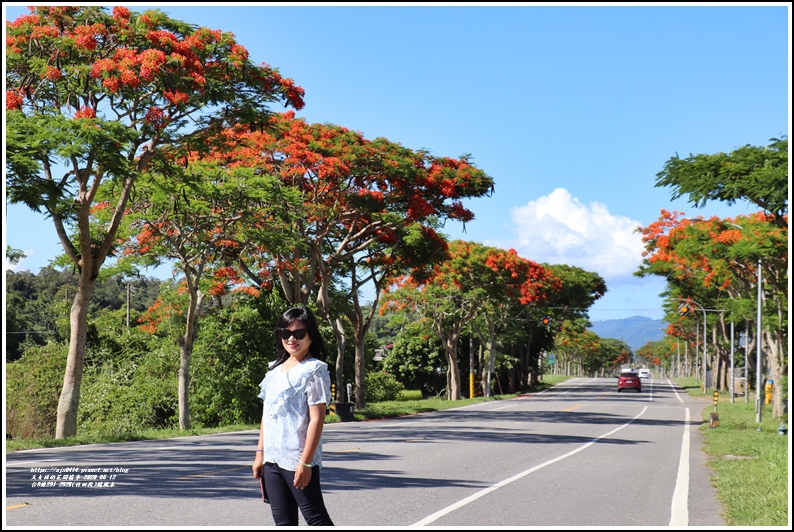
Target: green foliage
{"x": 385, "y": 327}
{"x": 131, "y": 394}
{"x": 31, "y": 389}
{"x": 13, "y": 255}
{"x": 230, "y": 359}
{"x": 417, "y": 359}
{"x": 109, "y": 341}
{"x": 381, "y": 386}
{"x": 578, "y": 291}
{"x": 610, "y": 354}
{"x": 36, "y": 141}
{"x": 758, "y": 175}
{"x": 129, "y": 382}
{"x": 38, "y": 306}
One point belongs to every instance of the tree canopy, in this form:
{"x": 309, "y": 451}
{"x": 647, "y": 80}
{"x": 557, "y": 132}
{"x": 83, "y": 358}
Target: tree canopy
{"x": 758, "y": 175}
{"x": 92, "y": 99}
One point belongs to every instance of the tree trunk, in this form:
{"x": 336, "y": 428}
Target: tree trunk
{"x": 491, "y": 360}
{"x": 453, "y": 388}
{"x": 341, "y": 345}
{"x": 66, "y": 420}
{"x": 360, "y": 373}
{"x": 88, "y": 260}
{"x": 453, "y": 372}
{"x": 185, "y": 353}
{"x": 483, "y": 373}
{"x": 186, "y": 343}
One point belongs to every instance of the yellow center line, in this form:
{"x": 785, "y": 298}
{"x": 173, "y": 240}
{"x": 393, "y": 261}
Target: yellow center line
{"x": 570, "y": 408}
{"x": 213, "y": 472}
{"x": 17, "y": 506}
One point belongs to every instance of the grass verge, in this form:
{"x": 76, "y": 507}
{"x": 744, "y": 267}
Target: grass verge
{"x": 750, "y": 462}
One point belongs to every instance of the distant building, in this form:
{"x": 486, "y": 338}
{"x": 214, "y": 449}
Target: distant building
{"x": 380, "y": 353}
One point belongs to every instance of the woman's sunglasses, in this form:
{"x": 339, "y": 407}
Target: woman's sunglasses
{"x": 299, "y": 334}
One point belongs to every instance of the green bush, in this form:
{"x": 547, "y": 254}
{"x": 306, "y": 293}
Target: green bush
{"x": 417, "y": 360}
{"x": 131, "y": 395}
{"x": 381, "y": 386}
{"x": 230, "y": 359}
{"x": 33, "y": 388}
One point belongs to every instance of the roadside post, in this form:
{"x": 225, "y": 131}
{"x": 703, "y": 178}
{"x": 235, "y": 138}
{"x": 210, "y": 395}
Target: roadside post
{"x": 344, "y": 409}
{"x": 714, "y": 420}
{"x": 768, "y": 390}
{"x": 332, "y": 406}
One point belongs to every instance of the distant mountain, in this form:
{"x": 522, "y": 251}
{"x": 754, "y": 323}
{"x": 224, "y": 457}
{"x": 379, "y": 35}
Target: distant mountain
{"x": 636, "y": 331}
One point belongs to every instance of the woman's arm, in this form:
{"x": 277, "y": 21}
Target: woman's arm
{"x": 259, "y": 460}
{"x": 303, "y": 474}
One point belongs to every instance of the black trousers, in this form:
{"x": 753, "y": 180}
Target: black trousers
{"x": 286, "y": 499}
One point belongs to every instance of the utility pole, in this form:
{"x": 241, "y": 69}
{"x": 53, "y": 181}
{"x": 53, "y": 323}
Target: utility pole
{"x": 128, "y": 304}
{"x": 758, "y": 360}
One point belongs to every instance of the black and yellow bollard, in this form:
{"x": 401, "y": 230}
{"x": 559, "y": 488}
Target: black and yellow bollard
{"x": 714, "y": 420}
{"x": 768, "y": 390}
{"x": 332, "y": 406}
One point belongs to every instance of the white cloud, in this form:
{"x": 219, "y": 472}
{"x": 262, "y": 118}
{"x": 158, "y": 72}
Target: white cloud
{"x": 560, "y": 229}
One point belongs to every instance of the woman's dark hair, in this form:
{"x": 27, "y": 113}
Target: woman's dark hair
{"x": 317, "y": 348}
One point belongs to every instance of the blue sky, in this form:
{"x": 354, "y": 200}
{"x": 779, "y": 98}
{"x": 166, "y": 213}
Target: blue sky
{"x": 572, "y": 109}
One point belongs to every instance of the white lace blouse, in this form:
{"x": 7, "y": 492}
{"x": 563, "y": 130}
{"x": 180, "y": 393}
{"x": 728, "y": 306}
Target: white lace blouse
{"x": 287, "y": 396}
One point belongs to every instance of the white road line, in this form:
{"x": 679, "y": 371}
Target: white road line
{"x": 679, "y": 512}
{"x": 471, "y": 498}
{"x": 675, "y": 391}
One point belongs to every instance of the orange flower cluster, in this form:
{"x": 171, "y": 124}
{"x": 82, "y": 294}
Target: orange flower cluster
{"x": 85, "y": 112}
{"x": 157, "y": 314}
{"x": 13, "y": 100}
{"x": 174, "y": 66}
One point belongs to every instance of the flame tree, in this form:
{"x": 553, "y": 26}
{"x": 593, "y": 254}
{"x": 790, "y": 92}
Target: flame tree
{"x": 475, "y": 279}
{"x": 93, "y": 97}
{"x": 578, "y": 349}
{"x": 197, "y": 222}
{"x": 578, "y": 290}
{"x": 370, "y": 209}
{"x": 513, "y": 285}
{"x": 715, "y": 262}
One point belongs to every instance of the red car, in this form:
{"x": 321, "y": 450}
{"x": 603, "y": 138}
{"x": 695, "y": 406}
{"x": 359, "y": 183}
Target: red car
{"x": 629, "y": 381}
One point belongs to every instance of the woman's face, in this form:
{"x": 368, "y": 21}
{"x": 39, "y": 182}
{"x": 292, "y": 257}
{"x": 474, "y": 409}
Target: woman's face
{"x": 292, "y": 345}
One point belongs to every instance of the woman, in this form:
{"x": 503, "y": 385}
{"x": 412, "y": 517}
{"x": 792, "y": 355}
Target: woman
{"x": 295, "y": 390}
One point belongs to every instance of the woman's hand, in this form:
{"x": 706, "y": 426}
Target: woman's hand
{"x": 258, "y": 465}
{"x": 303, "y": 476}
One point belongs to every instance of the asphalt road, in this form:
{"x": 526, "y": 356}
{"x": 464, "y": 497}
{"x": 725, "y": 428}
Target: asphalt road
{"x": 577, "y": 455}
